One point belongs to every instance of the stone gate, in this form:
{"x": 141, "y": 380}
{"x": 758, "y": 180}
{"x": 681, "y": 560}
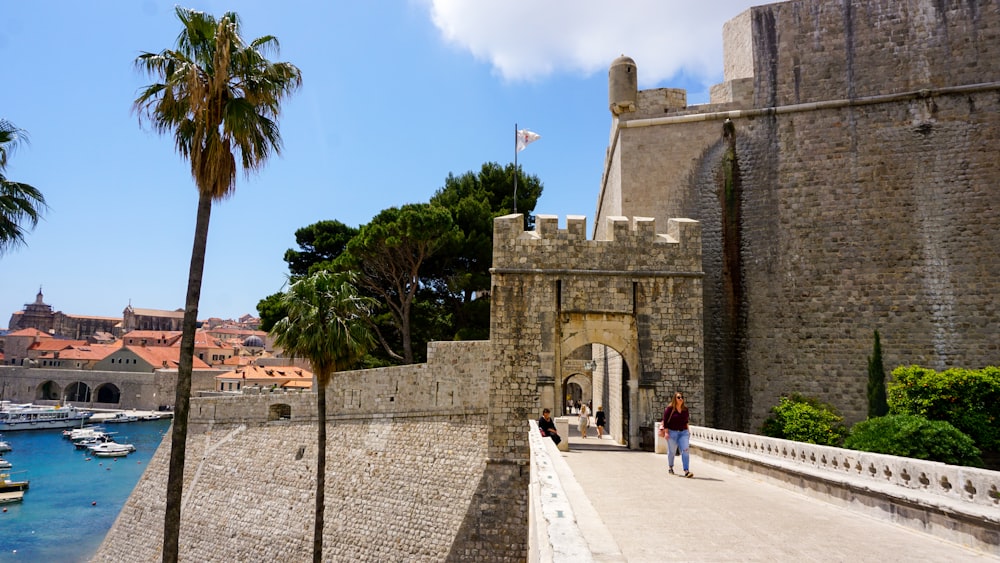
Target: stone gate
{"x": 629, "y": 306}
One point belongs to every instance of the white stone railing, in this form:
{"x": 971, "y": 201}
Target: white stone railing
{"x": 899, "y": 476}
{"x": 955, "y": 503}
{"x": 553, "y": 532}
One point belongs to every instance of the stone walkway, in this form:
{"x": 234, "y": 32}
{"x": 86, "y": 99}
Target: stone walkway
{"x": 721, "y": 515}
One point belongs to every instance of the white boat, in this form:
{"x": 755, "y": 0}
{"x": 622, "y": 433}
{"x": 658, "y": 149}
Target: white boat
{"x": 92, "y": 441}
{"x": 112, "y": 453}
{"x": 122, "y": 417}
{"x": 4, "y": 464}
{"x": 81, "y": 433}
{"x": 4, "y": 447}
{"x": 112, "y": 449}
{"x": 37, "y": 417}
{"x": 11, "y": 496}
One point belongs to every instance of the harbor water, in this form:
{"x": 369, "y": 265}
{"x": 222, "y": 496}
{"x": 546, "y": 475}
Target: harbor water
{"x": 73, "y": 497}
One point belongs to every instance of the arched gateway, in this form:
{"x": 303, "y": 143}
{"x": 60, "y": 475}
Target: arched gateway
{"x": 635, "y": 300}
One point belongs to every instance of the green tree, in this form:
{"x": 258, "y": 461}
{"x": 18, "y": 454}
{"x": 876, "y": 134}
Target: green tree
{"x": 19, "y": 203}
{"x": 460, "y": 278}
{"x": 217, "y": 95}
{"x": 321, "y": 243}
{"x": 388, "y": 252}
{"x": 326, "y": 324}
{"x": 271, "y": 310}
{"x": 877, "y": 403}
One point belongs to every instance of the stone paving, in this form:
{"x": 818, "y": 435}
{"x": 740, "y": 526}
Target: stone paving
{"x": 630, "y": 509}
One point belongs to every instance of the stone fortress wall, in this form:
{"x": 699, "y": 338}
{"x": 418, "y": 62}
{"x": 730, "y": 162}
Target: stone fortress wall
{"x": 853, "y": 189}
{"x": 406, "y": 457}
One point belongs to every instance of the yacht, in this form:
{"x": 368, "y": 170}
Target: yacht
{"x": 39, "y": 417}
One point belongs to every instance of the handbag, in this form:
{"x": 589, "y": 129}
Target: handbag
{"x": 664, "y": 433}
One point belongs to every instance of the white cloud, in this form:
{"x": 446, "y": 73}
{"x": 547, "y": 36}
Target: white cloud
{"x": 530, "y": 39}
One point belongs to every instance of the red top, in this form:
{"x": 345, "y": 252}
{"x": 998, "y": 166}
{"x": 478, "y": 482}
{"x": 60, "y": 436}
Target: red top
{"x": 675, "y": 420}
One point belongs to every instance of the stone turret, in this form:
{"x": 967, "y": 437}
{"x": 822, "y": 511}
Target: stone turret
{"x": 623, "y": 85}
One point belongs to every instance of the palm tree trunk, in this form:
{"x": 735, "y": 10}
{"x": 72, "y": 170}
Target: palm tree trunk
{"x": 182, "y": 398}
{"x": 320, "y": 468}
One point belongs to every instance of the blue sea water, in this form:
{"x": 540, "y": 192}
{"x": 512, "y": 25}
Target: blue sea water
{"x": 71, "y": 502}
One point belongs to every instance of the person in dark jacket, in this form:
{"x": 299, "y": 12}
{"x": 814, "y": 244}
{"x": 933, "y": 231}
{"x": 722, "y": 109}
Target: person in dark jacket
{"x": 600, "y": 421}
{"x": 548, "y": 426}
{"x": 675, "y": 420}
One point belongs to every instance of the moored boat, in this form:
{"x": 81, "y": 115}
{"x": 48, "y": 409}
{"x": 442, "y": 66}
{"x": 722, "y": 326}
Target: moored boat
{"x": 11, "y": 496}
{"x": 4, "y": 464}
{"x": 6, "y": 485}
{"x": 85, "y": 432}
{"x": 122, "y": 417}
{"x": 37, "y": 417}
{"x": 111, "y": 449}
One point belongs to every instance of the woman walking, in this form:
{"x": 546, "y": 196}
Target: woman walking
{"x": 600, "y": 421}
{"x": 675, "y": 420}
{"x": 584, "y": 419}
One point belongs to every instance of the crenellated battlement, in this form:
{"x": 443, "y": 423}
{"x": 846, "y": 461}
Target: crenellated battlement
{"x": 633, "y": 244}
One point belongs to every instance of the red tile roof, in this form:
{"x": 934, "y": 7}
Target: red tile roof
{"x": 158, "y": 356}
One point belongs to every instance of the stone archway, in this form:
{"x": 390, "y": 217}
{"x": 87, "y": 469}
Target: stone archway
{"x": 48, "y": 391}
{"x": 108, "y": 393}
{"x": 77, "y": 392}
{"x": 553, "y": 291}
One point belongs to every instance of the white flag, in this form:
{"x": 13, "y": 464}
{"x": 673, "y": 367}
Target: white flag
{"x": 525, "y": 138}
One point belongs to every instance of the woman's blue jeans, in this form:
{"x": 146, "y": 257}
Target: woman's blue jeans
{"x": 678, "y": 438}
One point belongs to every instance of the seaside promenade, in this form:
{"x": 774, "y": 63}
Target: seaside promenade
{"x": 629, "y": 509}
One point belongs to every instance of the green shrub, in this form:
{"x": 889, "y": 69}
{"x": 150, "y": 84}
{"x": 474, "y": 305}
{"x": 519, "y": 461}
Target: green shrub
{"x": 968, "y": 399}
{"x": 914, "y": 436}
{"x": 805, "y": 419}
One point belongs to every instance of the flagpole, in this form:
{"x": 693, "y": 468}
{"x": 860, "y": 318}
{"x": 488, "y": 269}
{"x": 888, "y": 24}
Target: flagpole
{"x": 515, "y": 167}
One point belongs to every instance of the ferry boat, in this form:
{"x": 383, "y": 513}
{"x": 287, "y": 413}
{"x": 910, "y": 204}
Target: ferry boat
{"x": 38, "y": 417}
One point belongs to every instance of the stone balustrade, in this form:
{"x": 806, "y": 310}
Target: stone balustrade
{"x": 553, "y": 530}
{"x": 960, "y": 504}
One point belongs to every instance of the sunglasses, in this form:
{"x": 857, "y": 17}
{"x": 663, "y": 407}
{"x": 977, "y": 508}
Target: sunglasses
{"x": 678, "y": 396}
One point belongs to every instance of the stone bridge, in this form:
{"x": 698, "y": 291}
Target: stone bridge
{"x": 755, "y": 498}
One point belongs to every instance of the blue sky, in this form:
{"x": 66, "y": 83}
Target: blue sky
{"x": 396, "y": 95}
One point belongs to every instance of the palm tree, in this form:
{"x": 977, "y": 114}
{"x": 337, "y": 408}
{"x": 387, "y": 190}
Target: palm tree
{"x": 326, "y": 323}
{"x": 18, "y": 202}
{"x": 216, "y": 94}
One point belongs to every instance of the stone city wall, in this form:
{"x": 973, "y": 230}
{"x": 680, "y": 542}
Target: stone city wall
{"x": 396, "y": 490}
{"x": 863, "y": 181}
{"x": 407, "y": 473}
{"x": 142, "y": 391}
{"x": 452, "y": 381}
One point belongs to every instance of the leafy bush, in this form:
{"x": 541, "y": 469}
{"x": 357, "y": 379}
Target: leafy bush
{"x": 968, "y": 399}
{"x": 914, "y": 436}
{"x": 805, "y": 419}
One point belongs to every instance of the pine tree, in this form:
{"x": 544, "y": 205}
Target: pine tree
{"x": 877, "y": 404}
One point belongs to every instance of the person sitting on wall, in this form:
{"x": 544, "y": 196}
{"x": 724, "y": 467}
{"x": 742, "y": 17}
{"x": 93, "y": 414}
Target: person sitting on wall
{"x": 548, "y": 427}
